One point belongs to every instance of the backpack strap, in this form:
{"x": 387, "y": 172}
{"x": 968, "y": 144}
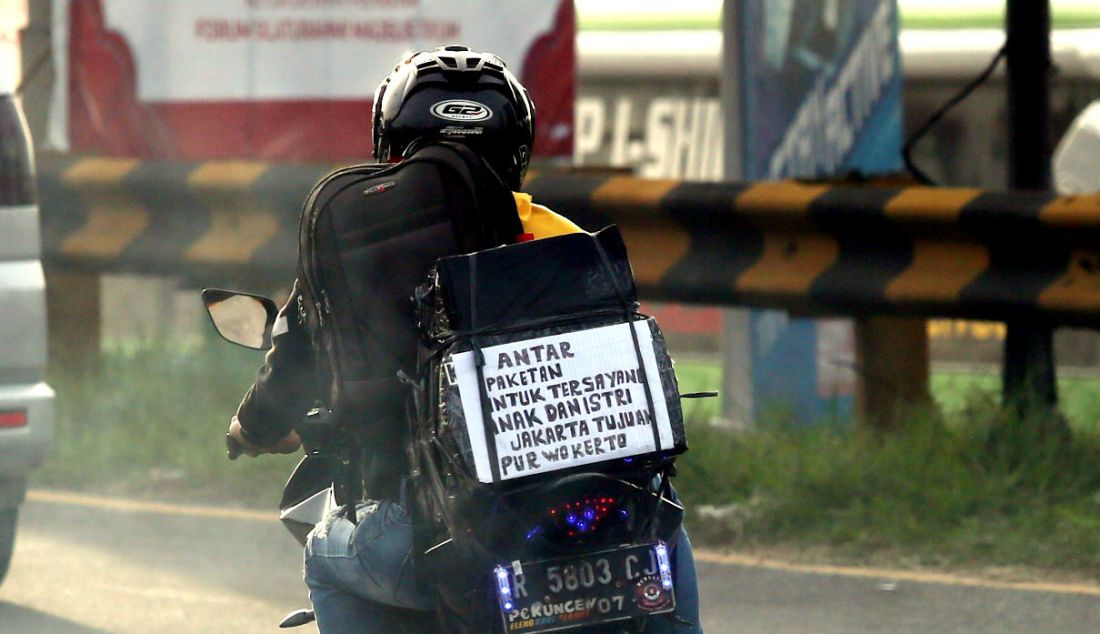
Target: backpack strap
{"x": 494, "y": 221}
{"x": 628, "y": 316}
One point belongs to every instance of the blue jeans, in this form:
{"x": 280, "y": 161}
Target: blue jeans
{"x": 360, "y": 576}
{"x": 361, "y": 581}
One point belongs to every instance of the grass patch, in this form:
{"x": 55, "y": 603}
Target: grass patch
{"x": 152, "y": 423}
{"x": 933, "y": 494}
{"x": 1079, "y": 397}
{"x": 699, "y": 376}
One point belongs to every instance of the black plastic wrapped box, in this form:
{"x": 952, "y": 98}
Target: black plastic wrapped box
{"x": 538, "y": 357}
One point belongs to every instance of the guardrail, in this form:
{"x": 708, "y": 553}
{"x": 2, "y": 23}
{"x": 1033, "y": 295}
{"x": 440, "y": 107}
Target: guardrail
{"x": 111, "y": 215}
{"x": 817, "y": 248}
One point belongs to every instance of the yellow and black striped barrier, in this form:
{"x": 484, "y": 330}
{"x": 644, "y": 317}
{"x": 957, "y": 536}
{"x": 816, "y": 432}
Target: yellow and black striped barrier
{"x": 808, "y": 247}
{"x": 852, "y": 250}
{"x": 160, "y": 217}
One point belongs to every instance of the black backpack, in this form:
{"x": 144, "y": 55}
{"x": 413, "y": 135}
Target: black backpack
{"x": 369, "y": 234}
{"x": 531, "y": 379}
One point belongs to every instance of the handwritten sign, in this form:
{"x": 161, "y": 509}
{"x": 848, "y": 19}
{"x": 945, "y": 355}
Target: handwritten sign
{"x": 562, "y": 401}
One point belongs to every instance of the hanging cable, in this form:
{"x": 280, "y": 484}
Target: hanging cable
{"x": 907, "y": 149}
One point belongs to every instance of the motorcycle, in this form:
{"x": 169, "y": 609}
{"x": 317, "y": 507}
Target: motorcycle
{"x": 598, "y": 578}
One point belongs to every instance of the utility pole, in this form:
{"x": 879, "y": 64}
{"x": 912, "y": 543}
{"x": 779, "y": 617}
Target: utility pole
{"x": 1029, "y": 377}
{"x": 737, "y": 384}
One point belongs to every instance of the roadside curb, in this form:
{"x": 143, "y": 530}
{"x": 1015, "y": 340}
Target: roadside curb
{"x": 888, "y": 576}
{"x": 885, "y": 576}
{"x": 123, "y": 505}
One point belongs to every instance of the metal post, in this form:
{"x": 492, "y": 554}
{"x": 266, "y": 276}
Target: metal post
{"x": 737, "y": 388}
{"x": 75, "y": 320}
{"x": 893, "y": 361}
{"x": 1028, "y": 378}
{"x": 38, "y": 70}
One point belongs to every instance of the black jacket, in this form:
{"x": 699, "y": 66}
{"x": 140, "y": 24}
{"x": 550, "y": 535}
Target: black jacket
{"x": 286, "y": 384}
{"x": 416, "y": 218}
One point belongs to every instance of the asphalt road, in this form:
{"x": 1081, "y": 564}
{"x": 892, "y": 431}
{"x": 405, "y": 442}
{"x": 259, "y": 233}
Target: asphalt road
{"x": 88, "y": 566}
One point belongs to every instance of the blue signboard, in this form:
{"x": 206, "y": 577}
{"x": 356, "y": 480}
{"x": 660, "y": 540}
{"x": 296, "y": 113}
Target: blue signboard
{"x": 820, "y": 86}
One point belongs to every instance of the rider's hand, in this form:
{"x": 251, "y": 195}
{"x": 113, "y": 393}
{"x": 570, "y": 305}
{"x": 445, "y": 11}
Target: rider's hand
{"x": 288, "y": 444}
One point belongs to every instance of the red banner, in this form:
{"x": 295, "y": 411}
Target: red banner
{"x": 287, "y": 79}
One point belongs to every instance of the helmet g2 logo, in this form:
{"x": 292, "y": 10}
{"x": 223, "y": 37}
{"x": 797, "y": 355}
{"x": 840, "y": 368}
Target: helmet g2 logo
{"x": 461, "y": 110}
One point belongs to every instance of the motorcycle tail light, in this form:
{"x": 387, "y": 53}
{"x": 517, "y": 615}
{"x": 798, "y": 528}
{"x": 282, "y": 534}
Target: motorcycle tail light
{"x": 504, "y": 589}
{"x": 10, "y": 419}
{"x": 586, "y": 515}
{"x": 664, "y": 566}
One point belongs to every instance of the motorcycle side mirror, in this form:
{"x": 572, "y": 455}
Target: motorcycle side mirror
{"x": 241, "y": 318}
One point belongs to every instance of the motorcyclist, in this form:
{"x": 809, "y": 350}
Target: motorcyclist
{"x": 359, "y": 574}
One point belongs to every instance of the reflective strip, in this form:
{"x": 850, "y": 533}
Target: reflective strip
{"x": 234, "y": 236}
{"x": 1078, "y": 290}
{"x": 98, "y": 170}
{"x": 113, "y": 223}
{"x": 783, "y": 200}
{"x": 626, "y": 195}
{"x": 791, "y": 260}
{"x": 114, "y": 218}
{"x": 1071, "y": 212}
{"x": 654, "y": 241}
{"x": 925, "y": 203}
{"x": 232, "y": 175}
{"x": 940, "y": 268}
{"x": 654, "y": 249}
{"x": 939, "y": 272}
{"x": 789, "y": 264}
{"x": 239, "y": 224}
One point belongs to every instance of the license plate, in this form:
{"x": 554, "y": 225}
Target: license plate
{"x": 569, "y": 592}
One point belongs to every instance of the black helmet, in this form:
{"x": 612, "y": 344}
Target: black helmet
{"x": 455, "y": 94}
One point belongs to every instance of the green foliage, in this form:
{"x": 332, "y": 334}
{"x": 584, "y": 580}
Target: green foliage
{"x": 1079, "y": 396}
{"x": 153, "y": 421}
{"x": 962, "y": 492}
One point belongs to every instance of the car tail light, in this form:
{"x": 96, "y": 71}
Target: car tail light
{"x": 13, "y": 418}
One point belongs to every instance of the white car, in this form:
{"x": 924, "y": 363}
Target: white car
{"x": 1077, "y": 157}
{"x": 26, "y": 401}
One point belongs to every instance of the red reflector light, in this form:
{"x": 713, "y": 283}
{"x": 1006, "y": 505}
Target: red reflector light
{"x": 17, "y": 418}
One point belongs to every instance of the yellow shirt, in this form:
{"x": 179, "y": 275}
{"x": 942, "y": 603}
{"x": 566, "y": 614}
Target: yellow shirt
{"x": 540, "y": 221}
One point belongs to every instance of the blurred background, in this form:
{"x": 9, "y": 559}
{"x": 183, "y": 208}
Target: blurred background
{"x": 267, "y": 95}
{"x": 638, "y": 92}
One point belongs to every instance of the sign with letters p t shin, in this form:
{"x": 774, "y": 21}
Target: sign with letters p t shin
{"x": 562, "y": 401}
